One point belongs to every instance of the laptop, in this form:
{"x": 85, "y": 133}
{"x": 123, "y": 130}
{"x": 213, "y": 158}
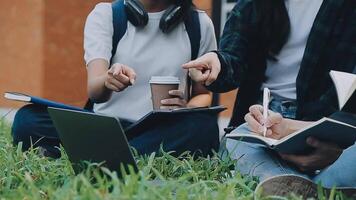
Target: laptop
{"x": 94, "y": 138}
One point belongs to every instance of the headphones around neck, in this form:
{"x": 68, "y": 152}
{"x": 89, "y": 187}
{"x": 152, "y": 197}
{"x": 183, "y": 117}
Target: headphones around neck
{"x": 138, "y": 16}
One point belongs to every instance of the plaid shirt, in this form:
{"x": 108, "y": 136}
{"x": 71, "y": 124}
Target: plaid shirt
{"x": 331, "y": 46}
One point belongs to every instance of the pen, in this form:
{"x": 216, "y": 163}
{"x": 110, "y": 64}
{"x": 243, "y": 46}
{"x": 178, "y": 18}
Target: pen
{"x": 266, "y": 99}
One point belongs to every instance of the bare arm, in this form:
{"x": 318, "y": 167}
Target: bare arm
{"x": 201, "y": 96}
{"x": 97, "y": 74}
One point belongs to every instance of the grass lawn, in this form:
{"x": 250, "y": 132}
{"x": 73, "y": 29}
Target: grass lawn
{"x": 29, "y": 176}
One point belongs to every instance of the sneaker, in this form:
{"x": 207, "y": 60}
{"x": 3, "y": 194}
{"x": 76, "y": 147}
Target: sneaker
{"x": 284, "y": 185}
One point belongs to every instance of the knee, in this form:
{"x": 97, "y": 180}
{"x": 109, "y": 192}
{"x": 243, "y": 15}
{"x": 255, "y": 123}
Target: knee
{"x": 23, "y": 124}
{"x": 207, "y": 125}
{"x": 204, "y": 128}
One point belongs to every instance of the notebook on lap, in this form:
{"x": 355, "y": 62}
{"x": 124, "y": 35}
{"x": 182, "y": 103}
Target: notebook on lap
{"x": 94, "y": 138}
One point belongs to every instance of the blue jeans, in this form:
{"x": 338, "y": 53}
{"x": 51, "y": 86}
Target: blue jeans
{"x": 288, "y": 109}
{"x": 257, "y": 160}
{"x": 196, "y": 133}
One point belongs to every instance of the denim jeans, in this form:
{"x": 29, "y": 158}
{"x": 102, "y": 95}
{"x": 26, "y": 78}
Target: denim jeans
{"x": 288, "y": 109}
{"x": 195, "y": 133}
{"x": 257, "y": 160}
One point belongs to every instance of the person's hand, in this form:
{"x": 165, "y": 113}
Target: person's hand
{"x": 277, "y": 126}
{"x": 119, "y": 77}
{"x": 177, "y": 100}
{"x": 323, "y": 156}
{"x": 204, "y": 69}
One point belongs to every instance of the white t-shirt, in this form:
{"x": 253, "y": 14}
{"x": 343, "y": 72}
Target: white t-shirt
{"x": 282, "y": 75}
{"x": 147, "y": 50}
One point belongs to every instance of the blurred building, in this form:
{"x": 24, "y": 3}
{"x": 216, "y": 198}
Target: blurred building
{"x": 41, "y": 47}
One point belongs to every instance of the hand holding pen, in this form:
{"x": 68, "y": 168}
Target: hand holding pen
{"x": 265, "y": 122}
{"x": 274, "y": 126}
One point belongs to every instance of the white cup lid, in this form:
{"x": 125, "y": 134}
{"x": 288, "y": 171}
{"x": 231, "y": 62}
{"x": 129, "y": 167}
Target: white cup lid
{"x": 164, "y": 80}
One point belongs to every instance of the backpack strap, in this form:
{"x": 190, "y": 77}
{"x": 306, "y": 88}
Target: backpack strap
{"x": 119, "y": 19}
{"x": 192, "y": 25}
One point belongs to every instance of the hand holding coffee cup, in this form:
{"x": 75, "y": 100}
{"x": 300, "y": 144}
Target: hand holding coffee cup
{"x": 177, "y": 100}
{"x": 119, "y": 77}
{"x": 165, "y": 93}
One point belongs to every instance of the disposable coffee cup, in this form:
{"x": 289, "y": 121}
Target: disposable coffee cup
{"x": 160, "y": 87}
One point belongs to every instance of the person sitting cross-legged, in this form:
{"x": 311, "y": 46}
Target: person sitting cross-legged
{"x": 118, "y": 81}
{"x": 328, "y": 164}
{"x": 289, "y": 47}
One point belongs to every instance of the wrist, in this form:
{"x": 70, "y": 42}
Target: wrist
{"x": 105, "y": 92}
{"x": 215, "y": 54}
{"x": 200, "y": 100}
{"x": 104, "y": 81}
{"x": 97, "y": 90}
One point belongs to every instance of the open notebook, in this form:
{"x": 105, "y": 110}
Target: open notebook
{"x": 336, "y": 129}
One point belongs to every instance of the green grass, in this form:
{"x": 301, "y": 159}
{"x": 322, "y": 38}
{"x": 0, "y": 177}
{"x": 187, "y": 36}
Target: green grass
{"x": 29, "y": 176}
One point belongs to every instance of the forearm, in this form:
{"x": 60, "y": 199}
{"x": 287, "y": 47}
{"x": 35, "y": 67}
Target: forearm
{"x": 201, "y": 100}
{"x": 97, "y": 91}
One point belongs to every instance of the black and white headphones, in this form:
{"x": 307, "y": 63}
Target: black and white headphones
{"x": 138, "y": 16}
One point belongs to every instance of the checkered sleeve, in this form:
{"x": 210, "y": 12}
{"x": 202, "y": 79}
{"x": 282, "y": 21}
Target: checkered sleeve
{"x": 233, "y": 47}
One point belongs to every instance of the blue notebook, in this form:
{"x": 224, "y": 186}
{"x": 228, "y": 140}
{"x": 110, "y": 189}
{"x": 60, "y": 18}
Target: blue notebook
{"x": 15, "y": 96}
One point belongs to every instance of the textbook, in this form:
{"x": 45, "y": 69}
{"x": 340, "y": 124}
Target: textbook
{"x": 345, "y": 84}
{"x": 339, "y": 128}
{"x": 15, "y": 96}
{"x": 157, "y": 117}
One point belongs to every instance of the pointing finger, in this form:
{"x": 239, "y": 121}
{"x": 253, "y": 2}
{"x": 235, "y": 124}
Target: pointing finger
{"x": 195, "y": 64}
